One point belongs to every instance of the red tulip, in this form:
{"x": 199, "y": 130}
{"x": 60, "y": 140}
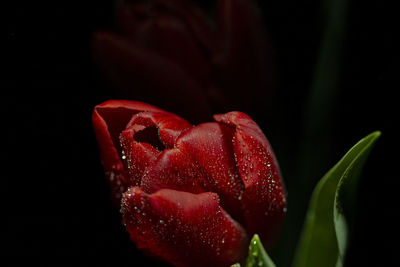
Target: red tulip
{"x": 169, "y": 50}
{"x": 191, "y": 195}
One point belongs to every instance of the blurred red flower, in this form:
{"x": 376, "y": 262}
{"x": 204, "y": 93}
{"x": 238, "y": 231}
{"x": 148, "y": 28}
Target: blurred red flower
{"x": 170, "y": 54}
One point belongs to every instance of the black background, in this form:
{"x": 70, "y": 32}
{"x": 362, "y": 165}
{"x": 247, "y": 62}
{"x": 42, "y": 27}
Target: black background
{"x": 57, "y": 201}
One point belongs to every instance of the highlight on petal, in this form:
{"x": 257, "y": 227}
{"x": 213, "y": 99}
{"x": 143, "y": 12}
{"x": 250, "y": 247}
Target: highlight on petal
{"x": 264, "y": 193}
{"x": 137, "y": 157}
{"x": 173, "y": 170}
{"x": 209, "y": 148}
{"x": 109, "y": 119}
{"x": 182, "y": 228}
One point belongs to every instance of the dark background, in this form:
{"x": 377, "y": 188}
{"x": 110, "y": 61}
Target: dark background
{"x": 57, "y": 201}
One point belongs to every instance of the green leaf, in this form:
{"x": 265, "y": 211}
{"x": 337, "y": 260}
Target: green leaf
{"x": 314, "y": 154}
{"x": 258, "y": 257}
{"x": 323, "y": 95}
{"x": 324, "y": 236}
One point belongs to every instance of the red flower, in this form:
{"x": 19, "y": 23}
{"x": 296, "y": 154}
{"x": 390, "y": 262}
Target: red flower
{"x": 168, "y": 50}
{"x": 191, "y": 195}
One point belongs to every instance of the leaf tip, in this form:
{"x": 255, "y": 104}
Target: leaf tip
{"x": 255, "y": 239}
{"x": 373, "y": 136}
{"x": 257, "y": 254}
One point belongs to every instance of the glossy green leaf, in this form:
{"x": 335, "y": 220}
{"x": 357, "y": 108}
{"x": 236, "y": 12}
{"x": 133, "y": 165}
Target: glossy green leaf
{"x": 258, "y": 257}
{"x": 324, "y": 236}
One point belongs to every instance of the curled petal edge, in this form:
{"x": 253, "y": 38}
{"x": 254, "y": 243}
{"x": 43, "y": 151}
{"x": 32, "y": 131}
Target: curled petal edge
{"x": 264, "y": 193}
{"x": 109, "y": 118}
{"x": 182, "y": 228}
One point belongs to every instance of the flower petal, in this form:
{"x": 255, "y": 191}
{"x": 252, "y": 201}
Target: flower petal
{"x": 194, "y": 18}
{"x": 173, "y": 170}
{"x": 138, "y": 157}
{"x": 182, "y": 228}
{"x": 264, "y": 193}
{"x": 210, "y": 149}
{"x": 109, "y": 119}
{"x": 159, "y": 30}
{"x": 144, "y": 75}
{"x": 133, "y": 18}
{"x": 146, "y": 134}
{"x": 169, "y": 125}
{"x": 243, "y": 58}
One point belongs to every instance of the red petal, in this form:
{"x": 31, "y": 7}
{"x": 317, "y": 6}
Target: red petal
{"x": 243, "y": 58}
{"x": 169, "y": 125}
{"x": 109, "y": 119}
{"x": 209, "y": 146}
{"x": 142, "y": 74}
{"x": 134, "y": 18}
{"x": 194, "y": 18}
{"x": 141, "y": 142}
{"x": 173, "y": 170}
{"x": 138, "y": 157}
{"x": 170, "y": 37}
{"x": 183, "y": 228}
{"x": 263, "y": 199}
